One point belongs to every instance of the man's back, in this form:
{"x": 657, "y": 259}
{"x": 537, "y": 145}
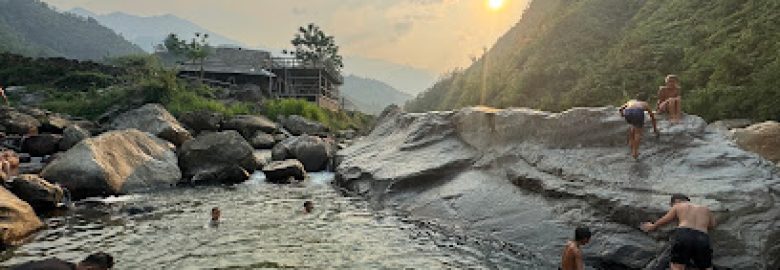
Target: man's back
{"x": 572, "y": 257}
{"x": 694, "y": 216}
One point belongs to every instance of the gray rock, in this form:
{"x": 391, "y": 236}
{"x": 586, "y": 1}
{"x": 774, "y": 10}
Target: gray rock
{"x": 54, "y": 123}
{"x": 248, "y": 125}
{"x": 531, "y": 177}
{"x": 761, "y": 138}
{"x": 16, "y": 122}
{"x": 41, "y": 145}
{"x": 263, "y": 157}
{"x": 729, "y": 124}
{"x": 116, "y": 162}
{"x": 17, "y": 219}
{"x": 155, "y": 119}
{"x": 312, "y": 151}
{"x": 36, "y": 191}
{"x": 202, "y": 121}
{"x": 298, "y": 125}
{"x": 213, "y": 157}
{"x": 282, "y": 172}
{"x": 72, "y": 135}
{"x": 262, "y": 140}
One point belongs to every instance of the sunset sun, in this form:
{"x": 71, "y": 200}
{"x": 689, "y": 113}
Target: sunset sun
{"x": 495, "y": 4}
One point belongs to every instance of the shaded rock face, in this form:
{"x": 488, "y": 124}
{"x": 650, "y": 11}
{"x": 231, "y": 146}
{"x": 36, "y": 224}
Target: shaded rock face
{"x": 16, "y": 122}
{"x": 202, "y": 121}
{"x": 298, "y": 125}
{"x": 312, "y": 151}
{"x": 116, "y": 162}
{"x": 36, "y": 191}
{"x": 17, "y": 219}
{"x": 41, "y": 145}
{"x": 762, "y": 138}
{"x": 217, "y": 157}
{"x": 155, "y": 119}
{"x": 249, "y": 125}
{"x": 262, "y": 140}
{"x": 282, "y": 172}
{"x": 531, "y": 177}
{"x": 72, "y": 135}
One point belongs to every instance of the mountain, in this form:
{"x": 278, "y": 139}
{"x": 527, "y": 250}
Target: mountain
{"x": 371, "y": 96}
{"x": 566, "y": 53}
{"x": 408, "y": 79}
{"x": 31, "y": 28}
{"x": 146, "y": 32}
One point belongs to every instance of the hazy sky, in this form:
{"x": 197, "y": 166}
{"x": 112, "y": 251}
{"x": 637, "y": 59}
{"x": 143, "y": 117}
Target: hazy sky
{"x": 436, "y": 35}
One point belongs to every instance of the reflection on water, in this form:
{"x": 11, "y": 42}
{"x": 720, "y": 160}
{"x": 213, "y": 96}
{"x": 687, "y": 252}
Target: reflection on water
{"x": 263, "y": 227}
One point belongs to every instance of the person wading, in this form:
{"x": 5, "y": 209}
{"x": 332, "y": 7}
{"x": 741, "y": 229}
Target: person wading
{"x": 572, "y": 253}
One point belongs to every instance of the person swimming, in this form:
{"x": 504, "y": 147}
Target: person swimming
{"x": 308, "y": 206}
{"x": 216, "y": 214}
{"x": 634, "y": 113}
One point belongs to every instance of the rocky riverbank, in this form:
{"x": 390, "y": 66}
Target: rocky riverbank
{"x": 144, "y": 149}
{"x": 529, "y": 177}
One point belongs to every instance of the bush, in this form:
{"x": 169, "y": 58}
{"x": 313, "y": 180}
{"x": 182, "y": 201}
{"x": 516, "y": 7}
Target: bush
{"x": 334, "y": 120}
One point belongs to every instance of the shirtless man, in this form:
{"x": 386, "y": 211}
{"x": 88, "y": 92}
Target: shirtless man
{"x": 691, "y": 243}
{"x": 2, "y": 93}
{"x": 669, "y": 99}
{"x": 9, "y": 164}
{"x": 634, "y": 113}
{"x": 572, "y": 253}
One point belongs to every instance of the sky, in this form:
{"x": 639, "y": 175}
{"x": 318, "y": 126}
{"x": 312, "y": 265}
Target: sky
{"x": 434, "y": 35}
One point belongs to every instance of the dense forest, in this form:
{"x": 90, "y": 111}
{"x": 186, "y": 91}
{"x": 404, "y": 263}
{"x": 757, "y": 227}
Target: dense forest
{"x": 371, "y": 96}
{"x": 31, "y": 28}
{"x": 567, "y": 53}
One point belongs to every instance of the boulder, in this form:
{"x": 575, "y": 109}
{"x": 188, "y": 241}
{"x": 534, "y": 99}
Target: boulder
{"x": 202, "y": 121}
{"x": 116, "y": 162}
{"x": 762, "y": 138}
{"x": 298, "y": 125}
{"x": 155, "y": 119}
{"x": 729, "y": 124}
{"x": 528, "y": 178}
{"x": 262, "y": 140}
{"x": 263, "y": 157}
{"x": 282, "y": 172}
{"x": 215, "y": 157}
{"x": 54, "y": 123}
{"x": 72, "y": 135}
{"x": 41, "y": 145}
{"x": 249, "y": 125}
{"x": 17, "y": 219}
{"x": 313, "y": 152}
{"x": 18, "y": 123}
{"x": 279, "y": 137}
{"x": 36, "y": 191}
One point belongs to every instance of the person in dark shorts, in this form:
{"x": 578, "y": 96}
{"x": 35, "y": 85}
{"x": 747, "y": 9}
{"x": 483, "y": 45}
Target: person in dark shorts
{"x": 691, "y": 243}
{"x": 634, "y": 113}
{"x": 96, "y": 261}
{"x": 572, "y": 253}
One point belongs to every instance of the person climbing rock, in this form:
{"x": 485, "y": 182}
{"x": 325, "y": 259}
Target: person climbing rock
{"x": 634, "y": 113}
{"x": 691, "y": 243}
{"x": 96, "y": 261}
{"x": 669, "y": 100}
{"x": 572, "y": 253}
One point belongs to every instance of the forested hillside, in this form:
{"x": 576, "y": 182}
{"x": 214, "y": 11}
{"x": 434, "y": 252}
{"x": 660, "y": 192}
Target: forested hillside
{"x": 566, "y": 53}
{"x": 371, "y": 96}
{"x": 31, "y": 28}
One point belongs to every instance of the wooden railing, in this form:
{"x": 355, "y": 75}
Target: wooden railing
{"x": 293, "y": 63}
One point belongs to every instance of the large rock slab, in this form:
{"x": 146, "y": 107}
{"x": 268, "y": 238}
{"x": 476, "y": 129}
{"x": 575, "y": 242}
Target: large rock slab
{"x": 216, "y": 158}
{"x": 529, "y": 177}
{"x": 262, "y": 140}
{"x": 17, "y": 219}
{"x": 312, "y": 151}
{"x": 116, "y": 162}
{"x": 72, "y": 135}
{"x": 249, "y": 125}
{"x": 283, "y": 172}
{"x": 36, "y": 191}
{"x": 16, "y": 122}
{"x": 298, "y": 125}
{"x": 199, "y": 121}
{"x": 762, "y": 138}
{"x": 155, "y": 119}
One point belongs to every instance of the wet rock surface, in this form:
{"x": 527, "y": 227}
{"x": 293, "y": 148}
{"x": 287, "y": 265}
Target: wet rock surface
{"x": 116, "y": 162}
{"x": 530, "y": 177}
{"x": 17, "y": 219}
{"x": 312, "y": 151}
{"x": 217, "y": 157}
{"x": 762, "y": 138}
{"x": 284, "y": 172}
{"x": 36, "y": 191}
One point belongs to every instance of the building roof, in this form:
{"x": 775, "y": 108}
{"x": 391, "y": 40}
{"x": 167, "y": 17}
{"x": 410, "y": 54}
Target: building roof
{"x": 248, "y": 70}
{"x": 234, "y": 61}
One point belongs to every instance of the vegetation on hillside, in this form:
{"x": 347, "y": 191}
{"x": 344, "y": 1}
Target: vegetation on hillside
{"x": 31, "y": 28}
{"x": 566, "y": 53}
{"x": 334, "y": 120}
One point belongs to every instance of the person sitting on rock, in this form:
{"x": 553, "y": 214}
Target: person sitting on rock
{"x": 572, "y": 253}
{"x": 308, "y": 206}
{"x": 691, "y": 240}
{"x": 96, "y": 261}
{"x": 669, "y": 100}
{"x": 2, "y": 93}
{"x": 634, "y": 113}
{"x": 9, "y": 164}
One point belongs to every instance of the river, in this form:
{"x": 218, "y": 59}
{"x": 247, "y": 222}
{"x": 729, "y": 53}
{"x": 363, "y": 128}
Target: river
{"x": 263, "y": 226}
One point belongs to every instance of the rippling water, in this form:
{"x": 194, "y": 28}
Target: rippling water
{"x": 263, "y": 227}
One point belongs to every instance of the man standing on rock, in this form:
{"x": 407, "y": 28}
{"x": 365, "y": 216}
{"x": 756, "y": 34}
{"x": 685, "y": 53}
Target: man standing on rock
{"x": 572, "y": 253}
{"x": 634, "y": 113}
{"x": 691, "y": 244}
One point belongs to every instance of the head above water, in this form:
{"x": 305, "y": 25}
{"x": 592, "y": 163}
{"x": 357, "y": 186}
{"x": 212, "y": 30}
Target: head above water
{"x": 582, "y": 235}
{"x": 678, "y": 198}
{"x": 97, "y": 261}
{"x": 308, "y": 206}
{"x": 215, "y": 214}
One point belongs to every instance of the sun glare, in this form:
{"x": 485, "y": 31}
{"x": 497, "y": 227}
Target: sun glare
{"x": 495, "y": 4}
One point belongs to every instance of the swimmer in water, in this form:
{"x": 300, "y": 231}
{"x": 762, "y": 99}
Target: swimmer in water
{"x": 215, "y": 216}
{"x": 308, "y": 206}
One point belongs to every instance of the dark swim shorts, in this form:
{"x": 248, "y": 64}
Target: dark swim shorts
{"x": 692, "y": 248}
{"x": 635, "y": 117}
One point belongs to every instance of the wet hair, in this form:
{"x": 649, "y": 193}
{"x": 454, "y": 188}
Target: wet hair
{"x": 673, "y": 77}
{"x": 679, "y": 197}
{"x": 308, "y": 204}
{"x": 582, "y": 233}
{"x": 641, "y": 96}
{"x": 100, "y": 259}
{"x": 213, "y": 209}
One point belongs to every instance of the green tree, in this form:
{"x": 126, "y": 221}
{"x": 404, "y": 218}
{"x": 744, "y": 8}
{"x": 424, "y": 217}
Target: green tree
{"x": 313, "y": 46}
{"x": 196, "y": 51}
